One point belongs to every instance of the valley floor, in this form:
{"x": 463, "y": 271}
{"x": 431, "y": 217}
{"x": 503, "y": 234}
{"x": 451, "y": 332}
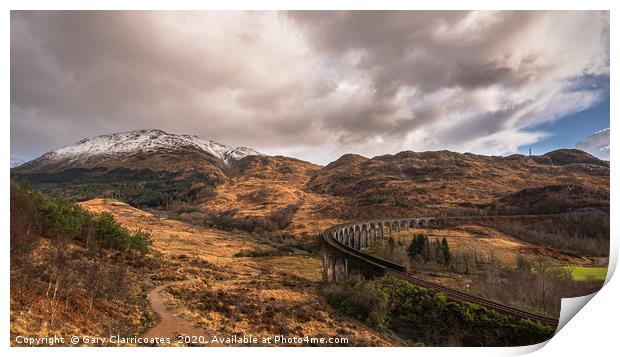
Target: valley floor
{"x": 221, "y": 295}
{"x": 488, "y": 263}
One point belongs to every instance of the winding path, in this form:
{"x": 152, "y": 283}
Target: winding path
{"x": 170, "y": 325}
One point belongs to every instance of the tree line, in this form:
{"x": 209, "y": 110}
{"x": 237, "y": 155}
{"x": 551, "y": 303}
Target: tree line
{"x": 421, "y": 248}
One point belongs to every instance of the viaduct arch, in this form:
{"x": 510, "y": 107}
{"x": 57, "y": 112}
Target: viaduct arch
{"x": 343, "y": 258}
{"x": 341, "y": 253}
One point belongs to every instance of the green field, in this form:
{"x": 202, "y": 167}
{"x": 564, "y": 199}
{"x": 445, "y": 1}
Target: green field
{"x": 585, "y": 273}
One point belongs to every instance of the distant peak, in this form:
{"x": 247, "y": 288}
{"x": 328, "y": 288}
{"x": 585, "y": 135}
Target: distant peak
{"x": 144, "y": 140}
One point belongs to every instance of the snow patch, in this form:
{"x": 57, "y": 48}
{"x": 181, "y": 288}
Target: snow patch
{"x": 146, "y": 141}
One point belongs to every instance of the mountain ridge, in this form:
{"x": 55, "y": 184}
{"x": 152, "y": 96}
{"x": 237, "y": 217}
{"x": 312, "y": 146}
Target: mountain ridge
{"x": 101, "y": 148}
{"x": 149, "y": 140}
{"x": 237, "y": 183}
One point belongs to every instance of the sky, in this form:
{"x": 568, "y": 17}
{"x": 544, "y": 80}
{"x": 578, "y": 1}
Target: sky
{"x": 315, "y": 85}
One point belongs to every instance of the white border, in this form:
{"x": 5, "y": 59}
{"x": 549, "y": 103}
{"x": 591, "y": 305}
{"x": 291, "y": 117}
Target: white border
{"x": 590, "y": 332}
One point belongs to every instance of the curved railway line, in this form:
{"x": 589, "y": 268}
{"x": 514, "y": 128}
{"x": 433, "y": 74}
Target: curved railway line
{"x": 370, "y": 266}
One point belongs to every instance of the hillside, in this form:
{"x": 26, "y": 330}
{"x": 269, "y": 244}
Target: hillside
{"x": 143, "y": 167}
{"x": 133, "y": 155}
{"x": 241, "y": 188}
{"x": 75, "y": 272}
{"x": 434, "y": 181}
{"x": 234, "y": 243}
{"x": 553, "y": 199}
{"x": 151, "y": 149}
{"x": 238, "y": 294}
{"x": 264, "y": 185}
{"x": 75, "y": 269}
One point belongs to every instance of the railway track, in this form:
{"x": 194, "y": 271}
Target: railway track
{"x": 463, "y": 297}
{"x": 399, "y": 271}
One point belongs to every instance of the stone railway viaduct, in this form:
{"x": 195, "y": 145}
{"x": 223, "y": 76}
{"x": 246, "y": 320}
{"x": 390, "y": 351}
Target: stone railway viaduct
{"x": 343, "y": 258}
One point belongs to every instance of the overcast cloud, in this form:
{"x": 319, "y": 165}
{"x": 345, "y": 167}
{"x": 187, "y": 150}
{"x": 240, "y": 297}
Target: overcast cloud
{"x": 313, "y": 85}
{"x": 596, "y": 144}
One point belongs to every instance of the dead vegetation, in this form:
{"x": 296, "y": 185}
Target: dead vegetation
{"x": 251, "y": 239}
{"x": 493, "y": 265}
{"x": 537, "y": 285}
{"x": 274, "y": 304}
{"x": 416, "y": 183}
{"x": 574, "y": 233}
{"x": 240, "y": 294}
{"x": 64, "y": 286}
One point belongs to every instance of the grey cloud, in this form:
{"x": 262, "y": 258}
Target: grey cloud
{"x": 112, "y": 71}
{"x": 404, "y": 47}
{"x": 479, "y": 126}
{"x": 596, "y": 144}
{"x": 433, "y": 51}
{"x": 301, "y": 82}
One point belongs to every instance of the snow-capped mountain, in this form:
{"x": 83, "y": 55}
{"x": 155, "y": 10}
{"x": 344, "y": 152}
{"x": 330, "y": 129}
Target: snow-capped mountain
{"x": 238, "y": 153}
{"x": 16, "y": 162}
{"x": 120, "y": 146}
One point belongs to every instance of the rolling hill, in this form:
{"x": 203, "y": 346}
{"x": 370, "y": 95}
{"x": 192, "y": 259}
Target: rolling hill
{"x": 151, "y": 168}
